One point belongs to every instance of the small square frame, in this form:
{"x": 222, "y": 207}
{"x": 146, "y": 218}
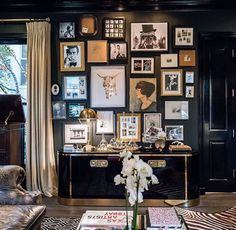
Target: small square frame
{"x": 176, "y": 110}
{"x": 118, "y": 51}
{"x": 97, "y": 51}
{"x": 74, "y": 109}
{"x": 88, "y": 25}
{"x": 142, "y": 65}
{"x": 183, "y": 37}
{"x": 187, "y": 58}
{"x": 66, "y": 30}
{"x": 105, "y": 122}
{"x": 58, "y": 110}
{"x": 169, "y": 60}
{"x": 114, "y": 28}
{"x": 189, "y": 77}
{"x": 75, "y": 133}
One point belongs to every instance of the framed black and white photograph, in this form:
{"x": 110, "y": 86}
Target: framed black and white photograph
{"x": 72, "y": 56}
{"x": 107, "y": 86}
{"x": 105, "y": 122}
{"x": 75, "y": 133}
{"x": 183, "y": 37}
{"x": 169, "y": 60}
{"x": 59, "y": 110}
{"x": 118, "y": 51}
{"x": 174, "y": 132}
{"x": 66, "y": 30}
{"x": 142, "y": 96}
{"x": 189, "y": 92}
{"x": 129, "y": 126}
{"x": 142, "y": 65}
{"x": 189, "y": 77}
{"x": 171, "y": 82}
{"x": 114, "y": 28}
{"x": 151, "y": 126}
{"x": 75, "y": 87}
{"x": 149, "y": 36}
{"x": 176, "y": 110}
{"x": 74, "y": 109}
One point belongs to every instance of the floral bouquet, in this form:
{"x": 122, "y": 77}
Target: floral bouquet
{"x": 136, "y": 175}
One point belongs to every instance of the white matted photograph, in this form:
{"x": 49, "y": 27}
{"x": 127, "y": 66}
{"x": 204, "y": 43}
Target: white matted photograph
{"x": 152, "y": 125}
{"x": 142, "y": 65}
{"x": 176, "y": 110}
{"x": 183, "y": 36}
{"x": 189, "y": 92}
{"x": 189, "y": 77}
{"x": 118, "y": 51}
{"x": 59, "y": 110}
{"x": 75, "y": 87}
{"x": 105, "y": 122}
{"x": 174, "y": 132}
{"x": 75, "y": 133}
{"x": 66, "y": 30}
{"x": 149, "y": 36}
{"x": 169, "y": 60}
{"x": 107, "y": 86}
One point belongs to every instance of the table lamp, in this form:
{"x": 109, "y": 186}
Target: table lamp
{"x": 88, "y": 114}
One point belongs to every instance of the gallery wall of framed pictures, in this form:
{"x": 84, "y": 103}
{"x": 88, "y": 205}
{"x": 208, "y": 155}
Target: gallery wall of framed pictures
{"x": 128, "y": 70}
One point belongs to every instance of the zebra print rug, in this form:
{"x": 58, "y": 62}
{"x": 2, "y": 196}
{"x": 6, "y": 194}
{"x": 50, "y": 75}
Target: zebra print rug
{"x": 225, "y": 220}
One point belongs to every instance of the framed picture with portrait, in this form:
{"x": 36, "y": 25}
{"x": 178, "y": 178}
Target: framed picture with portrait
{"x": 169, "y": 60}
{"x": 105, "y": 122}
{"x": 174, "y": 132}
{"x": 74, "y": 109}
{"x": 129, "y": 126}
{"x": 172, "y": 82}
{"x": 108, "y": 86}
{"x": 140, "y": 87}
{"x": 118, "y": 51}
{"x": 149, "y": 36}
{"x": 75, "y": 87}
{"x": 187, "y": 58}
{"x": 59, "y": 110}
{"x": 75, "y": 133}
{"x": 66, "y": 30}
{"x": 114, "y": 28}
{"x": 183, "y": 37}
{"x": 142, "y": 65}
{"x": 177, "y": 110}
{"x": 72, "y": 56}
{"x": 97, "y": 51}
{"x": 151, "y": 126}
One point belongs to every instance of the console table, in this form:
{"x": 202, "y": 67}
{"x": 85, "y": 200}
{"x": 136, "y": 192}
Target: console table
{"x": 88, "y": 178}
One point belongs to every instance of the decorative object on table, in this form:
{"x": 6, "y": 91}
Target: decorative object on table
{"x": 187, "y": 58}
{"x": 183, "y": 37}
{"x": 142, "y": 65}
{"x": 97, "y": 51}
{"x": 59, "y": 110}
{"x": 179, "y": 146}
{"x": 135, "y": 175}
{"x": 177, "y": 110}
{"x": 75, "y": 109}
{"x": 174, "y": 132}
{"x": 108, "y": 86}
{"x": 143, "y": 95}
{"x": 105, "y": 122}
{"x": 88, "y": 25}
{"x": 118, "y": 51}
{"x": 171, "y": 82}
{"x": 169, "y": 60}
{"x": 75, "y": 87}
{"x": 189, "y": 91}
{"x": 75, "y": 133}
{"x": 72, "y": 56}
{"x": 114, "y": 28}
{"x": 66, "y": 30}
{"x": 149, "y": 36}
{"x": 160, "y": 142}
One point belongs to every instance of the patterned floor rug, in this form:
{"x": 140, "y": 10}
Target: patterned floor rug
{"x": 60, "y": 223}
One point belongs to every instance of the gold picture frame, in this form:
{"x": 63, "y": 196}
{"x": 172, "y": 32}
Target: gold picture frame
{"x": 72, "y": 56}
{"x": 97, "y": 51}
{"x": 129, "y": 126}
{"x": 171, "y": 82}
{"x": 187, "y": 58}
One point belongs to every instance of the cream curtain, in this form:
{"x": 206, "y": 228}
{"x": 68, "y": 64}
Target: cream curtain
{"x": 40, "y": 161}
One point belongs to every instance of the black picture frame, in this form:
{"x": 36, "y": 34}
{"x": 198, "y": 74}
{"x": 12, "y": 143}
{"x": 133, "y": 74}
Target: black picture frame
{"x": 183, "y": 37}
{"x": 88, "y": 25}
{"x": 113, "y": 27}
{"x": 118, "y": 51}
{"x": 66, "y": 30}
{"x": 74, "y": 109}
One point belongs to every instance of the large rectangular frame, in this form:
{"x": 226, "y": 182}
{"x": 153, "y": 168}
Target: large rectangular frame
{"x": 174, "y": 132}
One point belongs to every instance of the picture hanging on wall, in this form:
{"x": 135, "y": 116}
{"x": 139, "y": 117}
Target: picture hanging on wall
{"x": 88, "y": 25}
{"x": 169, "y": 60}
{"x": 142, "y": 65}
{"x": 72, "y": 56}
{"x": 189, "y": 92}
{"x": 149, "y": 36}
{"x": 75, "y": 109}
{"x": 171, "y": 82}
{"x": 118, "y": 51}
{"x": 75, "y": 87}
{"x": 66, "y": 30}
{"x": 189, "y": 77}
{"x": 183, "y": 36}
{"x": 105, "y": 122}
{"x": 59, "y": 110}
{"x": 114, "y": 28}
{"x": 143, "y": 94}
{"x": 97, "y": 51}
{"x": 177, "y": 110}
{"x": 129, "y": 126}
{"x": 75, "y": 133}
{"x": 174, "y": 132}
{"x": 187, "y": 58}
{"x": 107, "y": 86}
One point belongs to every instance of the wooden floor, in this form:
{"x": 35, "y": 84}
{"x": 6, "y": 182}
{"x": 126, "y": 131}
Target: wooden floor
{"x": 211, "y": 202}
